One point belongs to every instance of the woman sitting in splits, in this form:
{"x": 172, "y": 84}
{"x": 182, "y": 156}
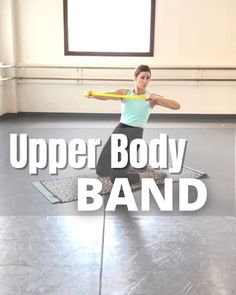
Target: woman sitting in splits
{"x": 134, "y": 116}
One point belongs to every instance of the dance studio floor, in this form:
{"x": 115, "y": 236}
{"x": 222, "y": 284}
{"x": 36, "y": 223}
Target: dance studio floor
{"x": 54, "y": 249}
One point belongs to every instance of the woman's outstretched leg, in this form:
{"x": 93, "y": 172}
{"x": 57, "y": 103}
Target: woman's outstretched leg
{"x": 103, "y": 167}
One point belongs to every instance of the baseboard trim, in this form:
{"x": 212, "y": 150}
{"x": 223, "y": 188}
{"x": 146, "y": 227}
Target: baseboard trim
{"x": 154, "y": 116}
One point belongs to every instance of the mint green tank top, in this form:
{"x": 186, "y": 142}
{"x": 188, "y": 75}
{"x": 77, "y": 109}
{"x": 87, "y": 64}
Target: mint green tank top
{"x": 134, "y": 112}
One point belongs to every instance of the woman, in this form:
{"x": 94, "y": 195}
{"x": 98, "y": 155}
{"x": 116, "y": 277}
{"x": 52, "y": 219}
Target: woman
{"x": 134, "y": 116}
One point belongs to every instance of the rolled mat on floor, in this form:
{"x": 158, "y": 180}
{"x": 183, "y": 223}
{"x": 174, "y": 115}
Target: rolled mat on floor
{"x": 65, "y": 189}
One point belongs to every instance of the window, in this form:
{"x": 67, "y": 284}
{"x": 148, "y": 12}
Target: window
{"x": 109, "y": 27}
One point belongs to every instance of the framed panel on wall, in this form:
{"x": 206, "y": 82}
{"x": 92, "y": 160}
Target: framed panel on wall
{"x": 109, "y": 27}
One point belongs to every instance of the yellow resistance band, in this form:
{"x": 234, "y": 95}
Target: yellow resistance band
{"x": 114, "y": 95}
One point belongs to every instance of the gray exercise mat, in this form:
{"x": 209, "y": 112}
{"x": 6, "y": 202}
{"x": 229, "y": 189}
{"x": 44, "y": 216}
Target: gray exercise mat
{"x": 65, "y": 189}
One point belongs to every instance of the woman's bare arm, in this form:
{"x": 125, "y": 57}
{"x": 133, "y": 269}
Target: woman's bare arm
{"x": 155, "y": 99}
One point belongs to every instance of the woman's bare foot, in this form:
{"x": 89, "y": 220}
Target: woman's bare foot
{"x": 146, "y": 174}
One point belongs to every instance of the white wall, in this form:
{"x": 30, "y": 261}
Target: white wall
{"x": 7, "y": 42}
{"x": 187, "y": 32}
{"x": 8, "y": 48}
{"x": 199, "y": 32}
